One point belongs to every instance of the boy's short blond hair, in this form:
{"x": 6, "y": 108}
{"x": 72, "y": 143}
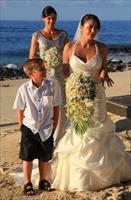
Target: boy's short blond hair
{"x": 31, "y": 64}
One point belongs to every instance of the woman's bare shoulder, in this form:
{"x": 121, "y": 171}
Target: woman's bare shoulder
{"x": 69, "y": 45}
{"x": 68, "y": 49}
{"x": 102, "y": 46}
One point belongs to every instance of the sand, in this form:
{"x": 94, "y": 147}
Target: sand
{"x": 10, "y": 189}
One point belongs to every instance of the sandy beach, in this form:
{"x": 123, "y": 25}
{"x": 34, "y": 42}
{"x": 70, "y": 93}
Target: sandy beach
{"x": 10, "y": 138}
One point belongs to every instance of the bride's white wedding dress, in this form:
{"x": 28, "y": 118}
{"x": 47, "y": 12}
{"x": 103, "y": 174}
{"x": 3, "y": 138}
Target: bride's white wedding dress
{"x": 97, "y": 159}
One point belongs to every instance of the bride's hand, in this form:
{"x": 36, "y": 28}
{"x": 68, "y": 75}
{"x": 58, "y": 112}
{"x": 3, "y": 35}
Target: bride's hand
{"x": 109, "y": 81}
{"x": 104, "y": 77}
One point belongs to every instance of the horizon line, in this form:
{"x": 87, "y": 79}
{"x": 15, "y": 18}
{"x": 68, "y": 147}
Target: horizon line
{"x": 61, "y": 20}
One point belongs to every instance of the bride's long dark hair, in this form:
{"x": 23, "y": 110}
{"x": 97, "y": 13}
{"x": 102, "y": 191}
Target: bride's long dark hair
{"x": 82, "y": 21}
{"x": 87, "y": 17}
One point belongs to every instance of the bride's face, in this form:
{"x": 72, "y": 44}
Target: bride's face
{"x": 50, "y": 20}
{"x": 89, "y": 29}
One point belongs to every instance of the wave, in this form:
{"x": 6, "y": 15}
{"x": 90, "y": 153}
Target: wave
{"x": 116, "y": 50}
{"x": 16, "y": 37}
{"x": 15, "y": 29}
{"x": 21, "y": 53}
{"x": 18, "y": 58}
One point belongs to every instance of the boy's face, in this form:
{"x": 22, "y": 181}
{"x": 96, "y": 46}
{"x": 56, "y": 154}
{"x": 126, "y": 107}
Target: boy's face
{"x": 39, "y": 73}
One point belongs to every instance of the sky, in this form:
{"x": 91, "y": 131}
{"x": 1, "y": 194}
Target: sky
{"x": 66, "y": 9}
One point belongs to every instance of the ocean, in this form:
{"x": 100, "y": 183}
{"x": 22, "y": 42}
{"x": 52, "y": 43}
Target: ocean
{"x": 15, "y": 38}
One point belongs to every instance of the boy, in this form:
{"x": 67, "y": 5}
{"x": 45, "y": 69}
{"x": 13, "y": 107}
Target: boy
{"x": 37, "y": 103}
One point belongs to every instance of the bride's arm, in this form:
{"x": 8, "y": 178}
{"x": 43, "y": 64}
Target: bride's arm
{"x": 66, "y": 57}
{"x": 103, "y": 72}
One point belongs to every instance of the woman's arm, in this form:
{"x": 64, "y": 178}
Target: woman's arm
{"x": 55, "y": 117}
{"x": 20, "y": 114}
{"x": 66, "y": 57}
{"x": 103, "y": 72}
{"x": 33, "y": 47}
{"x": 66, "y": 39}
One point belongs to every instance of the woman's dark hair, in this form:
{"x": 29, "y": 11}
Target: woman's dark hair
{"x": 48, "y": 10}
{"x": 87, "y": 17}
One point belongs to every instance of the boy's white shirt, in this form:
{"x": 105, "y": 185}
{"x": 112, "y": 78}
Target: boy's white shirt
{"x": 38, "y": 104}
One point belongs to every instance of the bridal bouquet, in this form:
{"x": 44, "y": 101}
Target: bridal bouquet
{"x": 52, "y": 57}
{"x": 81, "y": 93}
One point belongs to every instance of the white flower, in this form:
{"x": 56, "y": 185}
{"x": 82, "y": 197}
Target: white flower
{"x": 80, "y": 92}
{"x": 52, "y": 57}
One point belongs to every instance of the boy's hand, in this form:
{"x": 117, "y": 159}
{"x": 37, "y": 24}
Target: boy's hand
{"x": 20, "y": 114}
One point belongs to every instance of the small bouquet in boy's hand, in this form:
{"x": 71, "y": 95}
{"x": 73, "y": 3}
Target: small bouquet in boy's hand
{"x": 53, "y": 58}
{"x": 81, "y": 93}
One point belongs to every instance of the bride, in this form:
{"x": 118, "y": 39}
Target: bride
{"x": 95, "y": 159}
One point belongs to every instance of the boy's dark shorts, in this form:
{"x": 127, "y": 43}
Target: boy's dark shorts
{"x": 32, "y": 147}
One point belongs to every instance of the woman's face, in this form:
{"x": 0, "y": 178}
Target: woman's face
{"x": 89, "y": 29}
{"x": 50, "y": 20}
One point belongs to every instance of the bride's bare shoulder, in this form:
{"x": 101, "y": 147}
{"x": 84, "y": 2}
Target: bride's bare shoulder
{"x": 70, "y": 45}
{"x": 102, "y": 46}
{"x": 68, "y": 48}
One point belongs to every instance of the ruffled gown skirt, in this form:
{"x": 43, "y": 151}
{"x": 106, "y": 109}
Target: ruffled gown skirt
{"x": 93, "y": 161}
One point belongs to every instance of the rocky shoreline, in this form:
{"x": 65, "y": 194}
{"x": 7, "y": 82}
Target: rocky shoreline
{"x": 119, "y": 59}
{"x": 11, "y": 71}
{"x": 118, "y": 65}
